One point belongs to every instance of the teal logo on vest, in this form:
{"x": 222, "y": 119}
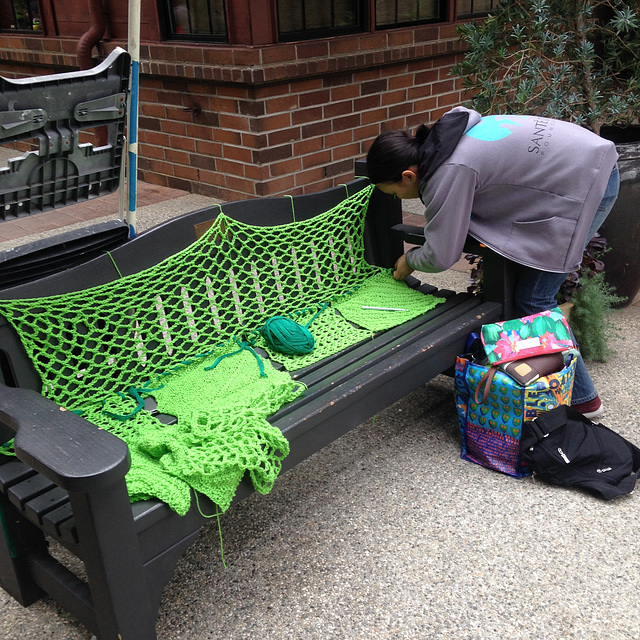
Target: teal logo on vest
{"x": 492, "y": 128}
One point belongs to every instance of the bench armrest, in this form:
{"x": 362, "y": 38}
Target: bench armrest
{"x": 71, "y": 452}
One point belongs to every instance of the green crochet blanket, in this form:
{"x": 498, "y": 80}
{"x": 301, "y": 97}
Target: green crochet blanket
{"x": 186, "y": 333}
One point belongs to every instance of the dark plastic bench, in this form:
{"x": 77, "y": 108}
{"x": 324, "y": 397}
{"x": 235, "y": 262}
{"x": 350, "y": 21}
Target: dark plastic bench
{"x": 67, "y": 482}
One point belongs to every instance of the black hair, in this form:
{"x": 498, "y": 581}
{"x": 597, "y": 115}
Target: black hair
{"x": 393, "y": 152}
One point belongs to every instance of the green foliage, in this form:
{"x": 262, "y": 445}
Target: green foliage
{"x": 576, "y": 60}
{"x": 590, "y": 317}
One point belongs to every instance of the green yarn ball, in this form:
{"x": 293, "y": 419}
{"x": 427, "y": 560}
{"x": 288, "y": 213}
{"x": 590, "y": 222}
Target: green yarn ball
{"x": 287, "y": 336}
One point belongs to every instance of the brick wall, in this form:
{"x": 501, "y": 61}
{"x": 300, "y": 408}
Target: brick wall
{"x": 281, "y": 119}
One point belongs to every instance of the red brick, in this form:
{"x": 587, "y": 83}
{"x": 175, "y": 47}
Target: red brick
{"x": 338, "y": 139}
{"x": 394, "y": 97}
{"x": 313, "y": 49}
{"x": 175, "y": 128}
{"x": 152, "y": 110}
{"x": 227, "y": 137}
{"x": 427, "y": 76}
{"x": 202, "y": 162}
{"x": 347, "y": 151}
{"x": 449, "y": 99}
{"x": 275, "y": 187}
{"x": 188, "y": 173}
{"x": 190, "y": 54}
{"x": 314, "y": 98}
{"x": 150, "y": 151}
{"x": 367, "y": 102}
{"x": 154, "y": 137}
{"x": 346, "y": 122}
{"x": 179, "y": 183}
{"x": 271, "y": 123}
{"x": 284, "y": 135}
{"x": 399, "y": 37}
{"x": 232, "y": 91}
{"x": 315, "y": 159}
{"x": 284, "y": 103}
{"x": 375, "y": 115}
{"x": 271, "y": 90}
{"x": 246, "y": 56}
{"x": 374, "y": 86}
{"x": 402, "y": 109}
{"x": 238, "y": 123}
{"x": 278, "y": 53}
{"x": 257, "y": 172}
{"x": 237, "y": 153}
{"x": 307, "y": 145}
{"x": 159, "y": 166}
{"x": 444, "y": 86}
{"x": 426, "y": 33}
{"x": 310, "y": 176}
{"x": 217, "y": 55}
{"x": 230, "y": 167}
{"x": 311, "y": 84}
{"x": 316, "y": 129}
{"x": 154, "y": 178}
{"x": 334, "y": 109}
{"x": 184, "y": 144}
{"x": 212, "y": 177}
{"x": 303, "y": 116}
{"x": 223, "y": 105}
{"x": 208, "y": 148}
{"x": 340, "y": 46}
{"x": 293, "y": 165}
{"x": 345, "y": 93}
{"x": 401, "y": 81}
{"x": 272, "y": 154}
{"x": 253, "y": 141}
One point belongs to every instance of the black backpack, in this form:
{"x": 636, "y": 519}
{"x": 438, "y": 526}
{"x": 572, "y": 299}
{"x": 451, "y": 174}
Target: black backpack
{"x": 565, "y": 448}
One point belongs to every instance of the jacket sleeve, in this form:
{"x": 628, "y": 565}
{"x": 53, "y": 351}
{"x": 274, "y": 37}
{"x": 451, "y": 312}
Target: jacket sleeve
{"x": 448, "y": 199}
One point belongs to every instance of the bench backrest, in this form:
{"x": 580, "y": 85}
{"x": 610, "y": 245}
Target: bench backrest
{"x": 162, "y": 297}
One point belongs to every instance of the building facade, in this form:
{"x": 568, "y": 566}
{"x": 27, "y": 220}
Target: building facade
{"x": 248, "y": 98}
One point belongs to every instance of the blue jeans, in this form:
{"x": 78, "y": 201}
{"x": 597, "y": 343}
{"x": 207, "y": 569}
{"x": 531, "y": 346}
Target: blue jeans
{"x": 536, "y": 290}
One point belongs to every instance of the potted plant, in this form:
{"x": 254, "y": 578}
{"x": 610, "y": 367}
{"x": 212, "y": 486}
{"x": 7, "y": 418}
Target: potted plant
{"x": 587, "y": 300}
{"x": 576, "y": 61}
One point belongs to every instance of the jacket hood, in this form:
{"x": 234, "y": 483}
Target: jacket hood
{"x": 443, "y": 139}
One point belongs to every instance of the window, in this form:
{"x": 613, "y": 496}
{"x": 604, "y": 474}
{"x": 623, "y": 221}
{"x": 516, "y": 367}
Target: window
{"x": 20, "y": 15}
{"x": 316, "y": 18}
{"x": 469, "y": 8}
{"x": 204, "y": 19}
{"x": 391, "y": 13}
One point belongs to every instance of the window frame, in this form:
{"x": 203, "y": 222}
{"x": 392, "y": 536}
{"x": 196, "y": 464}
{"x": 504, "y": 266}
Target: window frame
{"x": 443, "y": 11}
{"x": 477, "y": 14}
{"x": 32, "y": 31}
{"x": 312, "y": 34}
{"x": 167, "y": 22}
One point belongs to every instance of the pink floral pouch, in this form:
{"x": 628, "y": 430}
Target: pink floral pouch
{"x": 544, "y": 332}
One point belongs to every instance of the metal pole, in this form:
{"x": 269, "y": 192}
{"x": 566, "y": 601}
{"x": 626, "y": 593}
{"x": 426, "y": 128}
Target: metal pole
{"x": 132, "y": 129}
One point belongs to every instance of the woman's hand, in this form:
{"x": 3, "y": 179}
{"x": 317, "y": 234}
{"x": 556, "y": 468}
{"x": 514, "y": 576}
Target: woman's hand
{"x": 402, "y": 269}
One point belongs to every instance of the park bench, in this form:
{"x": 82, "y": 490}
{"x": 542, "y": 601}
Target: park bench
{"x": 67, "y": 485}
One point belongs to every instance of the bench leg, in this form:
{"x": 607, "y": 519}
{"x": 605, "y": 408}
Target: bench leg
{"x": 112, "y": 561}
{"x": 18, "y": 538}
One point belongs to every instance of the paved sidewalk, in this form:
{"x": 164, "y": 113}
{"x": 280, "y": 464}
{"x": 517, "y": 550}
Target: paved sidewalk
{"x": 387, "y": 533}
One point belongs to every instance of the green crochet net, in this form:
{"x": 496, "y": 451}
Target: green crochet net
{"x": 155, "y": 334}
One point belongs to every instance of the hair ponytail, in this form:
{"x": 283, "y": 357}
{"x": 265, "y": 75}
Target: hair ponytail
{"x": 422, "y": 132}
{"x": 392, "y": 152}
